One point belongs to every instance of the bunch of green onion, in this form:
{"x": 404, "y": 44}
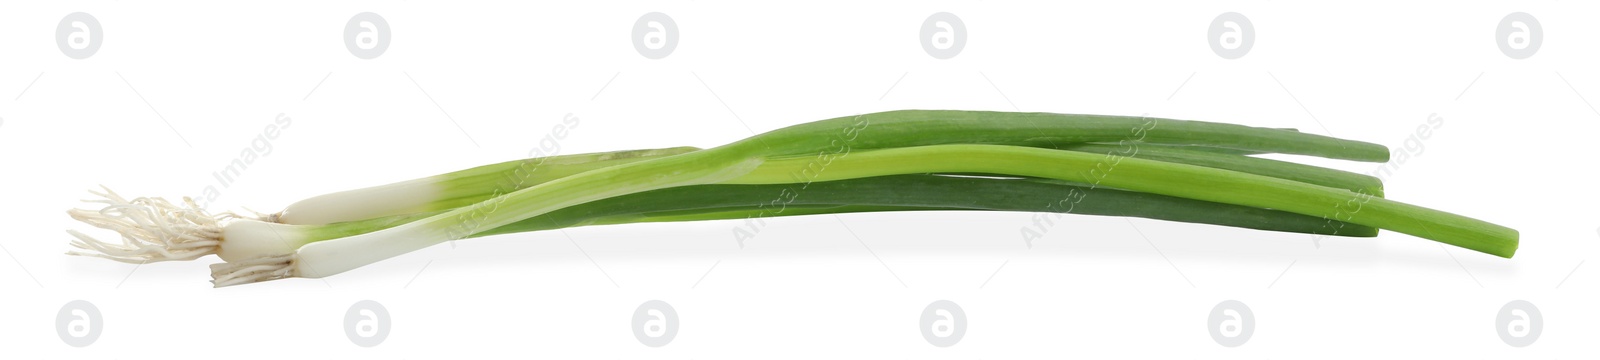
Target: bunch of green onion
{"x": 922, "y": 160}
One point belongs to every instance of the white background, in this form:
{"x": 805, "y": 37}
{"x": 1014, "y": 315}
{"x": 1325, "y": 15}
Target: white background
{"x": 178, "y": 89}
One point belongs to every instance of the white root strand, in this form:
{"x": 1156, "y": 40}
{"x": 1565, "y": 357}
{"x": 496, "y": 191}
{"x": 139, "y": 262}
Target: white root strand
{"x": 152, "y": 229}
{"x": 253, "y": 270}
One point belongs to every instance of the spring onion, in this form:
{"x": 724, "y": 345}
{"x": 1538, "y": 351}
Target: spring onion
{"x": 1178, "y": 170}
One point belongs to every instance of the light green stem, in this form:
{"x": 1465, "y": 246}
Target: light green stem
{"x": 1181, "y": 180}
